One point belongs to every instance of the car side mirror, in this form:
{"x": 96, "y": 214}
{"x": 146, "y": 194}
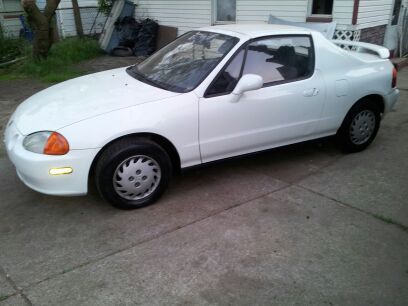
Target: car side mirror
{"x": 246, "y": 83}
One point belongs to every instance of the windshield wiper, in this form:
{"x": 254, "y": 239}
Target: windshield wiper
{"x": 132, "y": 71}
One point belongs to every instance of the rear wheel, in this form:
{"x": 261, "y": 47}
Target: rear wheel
{"x": 133, "y": 173}
{"x": 360, "y": 127}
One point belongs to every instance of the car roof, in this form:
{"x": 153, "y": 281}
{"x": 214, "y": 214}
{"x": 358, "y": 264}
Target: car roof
{"x": 256, "y": 30}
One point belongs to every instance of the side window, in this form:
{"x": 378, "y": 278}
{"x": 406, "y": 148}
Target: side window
{"x": 228, "y": 79}
{"x": 279, "y": 59}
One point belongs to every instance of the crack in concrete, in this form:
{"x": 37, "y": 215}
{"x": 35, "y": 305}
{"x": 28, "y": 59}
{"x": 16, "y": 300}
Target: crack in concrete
{"x": 343, "y": 204}
{"x": 320, "y": 170}
{"x": 18, "y": 290}
{"x": 215, "y": 213}
{"x": 287, "y": 185}
{"x": 97, "y": 259}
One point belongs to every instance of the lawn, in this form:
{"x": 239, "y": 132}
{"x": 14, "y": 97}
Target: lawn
{"x": 60, "y": 65}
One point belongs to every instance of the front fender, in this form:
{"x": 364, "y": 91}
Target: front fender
{"x": 175, "y": 119}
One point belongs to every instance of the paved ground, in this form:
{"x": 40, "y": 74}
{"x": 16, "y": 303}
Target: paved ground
{"x": 299, "y": 225}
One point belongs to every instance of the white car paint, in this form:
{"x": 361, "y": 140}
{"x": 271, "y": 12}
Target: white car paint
{"x": 82, "y": 98}
{"x": 93, "y": 110}
{"x": 260, "y": 119}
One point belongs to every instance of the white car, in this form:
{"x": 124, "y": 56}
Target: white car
{"x": 211, "y": 94}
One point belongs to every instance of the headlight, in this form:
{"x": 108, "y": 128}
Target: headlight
{"x": 51, "y": 143}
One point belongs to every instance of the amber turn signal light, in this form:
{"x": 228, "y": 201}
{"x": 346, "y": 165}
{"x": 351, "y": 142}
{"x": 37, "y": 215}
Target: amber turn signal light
{"x": 56, "y": 145}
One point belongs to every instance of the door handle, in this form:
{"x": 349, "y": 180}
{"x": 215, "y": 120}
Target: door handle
{"x": 311, "y": 92}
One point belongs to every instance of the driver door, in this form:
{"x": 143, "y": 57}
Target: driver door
{"x": 285, "y": 110}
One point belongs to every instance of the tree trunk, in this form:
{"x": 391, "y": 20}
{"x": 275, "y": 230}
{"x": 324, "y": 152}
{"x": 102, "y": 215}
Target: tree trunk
{"x": 77, "y": 17}
{"x": 40, "y": 23}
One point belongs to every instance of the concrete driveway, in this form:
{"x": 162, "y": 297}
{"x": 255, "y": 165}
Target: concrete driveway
{"x": 299, "y": 225}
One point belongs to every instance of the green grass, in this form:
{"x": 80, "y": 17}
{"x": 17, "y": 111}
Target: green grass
{"x": 60, "y": 65}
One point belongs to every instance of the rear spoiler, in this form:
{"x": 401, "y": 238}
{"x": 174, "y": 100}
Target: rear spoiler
{"x": 382, "y": 52}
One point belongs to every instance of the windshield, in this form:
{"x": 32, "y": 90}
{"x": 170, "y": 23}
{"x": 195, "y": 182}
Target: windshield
{"x": 184, "y": 63}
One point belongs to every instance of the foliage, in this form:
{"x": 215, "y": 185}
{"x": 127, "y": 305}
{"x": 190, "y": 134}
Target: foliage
{"x": 105, "y": 6}
{"x": 11, "y": 48}
{"x": 60, "y": 64}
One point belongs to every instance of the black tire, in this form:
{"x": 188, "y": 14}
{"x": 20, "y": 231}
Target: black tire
{"x": 345, "y": 135}
{"x": 115, "y": 155}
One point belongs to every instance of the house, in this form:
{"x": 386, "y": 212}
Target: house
{"x": 10, "y": 10}
{"x": 92, "y": 21}
{"x": 360, "y": 20}
{"x": 374, "y": 21}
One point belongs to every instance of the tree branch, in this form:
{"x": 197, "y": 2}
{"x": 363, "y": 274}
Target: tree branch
{"x": 31, "y": 9}
{"x": 50, "y": 8}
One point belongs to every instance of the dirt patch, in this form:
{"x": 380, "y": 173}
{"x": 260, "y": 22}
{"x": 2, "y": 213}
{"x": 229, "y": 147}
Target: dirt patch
{"x": 107, "y": 62}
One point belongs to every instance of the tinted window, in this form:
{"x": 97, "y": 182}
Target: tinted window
{"x": 228, "y": 79}
{"x": 280, "y": 58}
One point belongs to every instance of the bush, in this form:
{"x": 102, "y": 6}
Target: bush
{"x": 60, "y": 63}
{"x": 11, "y": 48}
{"x": 105, "y": 6}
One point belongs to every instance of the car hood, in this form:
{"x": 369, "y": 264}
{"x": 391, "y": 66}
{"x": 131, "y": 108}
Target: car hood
{"x": 83, "y": 98}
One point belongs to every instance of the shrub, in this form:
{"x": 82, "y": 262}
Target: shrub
{"x": 11, "y": 48}
{"x": 60, "y": 63}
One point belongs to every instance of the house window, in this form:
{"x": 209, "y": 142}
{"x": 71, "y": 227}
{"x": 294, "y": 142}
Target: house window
{"x": 322, "y": 7}
{"x": 225, "y": 11}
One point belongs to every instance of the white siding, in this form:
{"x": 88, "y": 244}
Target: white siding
{"x": 65, "y": 17}
{"x": 10, "y": 26}
{"x": 66, "y": 21}
{"x": 183, "y": 14}
{"x": 343, "y": 13}
{"x": 189, "y": 14}
{"x": 81, "y": 3}
{"x": 259, "y": 10}
{"x": 11, "y": 5}
{"x": 374, "y": 13}
{"x": 293, "y": 10}
{"x": 88, "y": 9}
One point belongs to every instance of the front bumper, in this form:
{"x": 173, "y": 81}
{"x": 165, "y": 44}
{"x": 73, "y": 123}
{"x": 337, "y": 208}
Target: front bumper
{"x": 34, "y": 169}
{"x": 391, "y": 99}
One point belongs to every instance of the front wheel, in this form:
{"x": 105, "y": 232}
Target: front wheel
{"x": 133, "y": 173}
{"x": 360, "y": 127}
